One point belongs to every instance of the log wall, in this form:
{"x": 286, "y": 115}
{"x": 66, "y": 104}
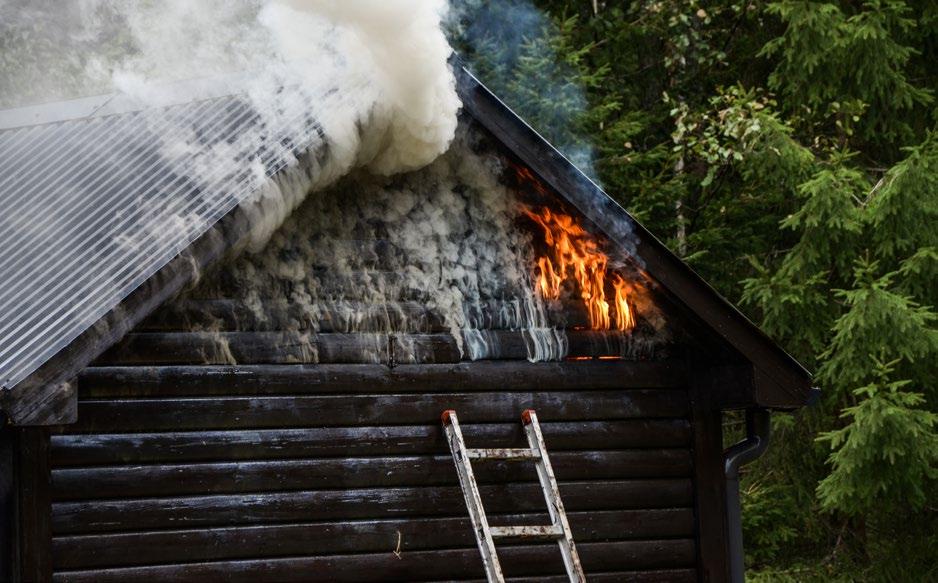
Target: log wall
{"x": 340, "y": 472}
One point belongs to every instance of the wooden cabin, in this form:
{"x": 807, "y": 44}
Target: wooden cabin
{"x": 275, "y": 416}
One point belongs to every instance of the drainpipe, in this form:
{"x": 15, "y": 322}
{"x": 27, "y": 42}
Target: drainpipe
{"x": 740, "y": 454}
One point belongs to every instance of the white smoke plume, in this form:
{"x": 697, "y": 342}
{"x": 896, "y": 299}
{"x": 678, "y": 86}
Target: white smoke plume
{"x": 338, "y": 88}
{"x": 352, "y": 83}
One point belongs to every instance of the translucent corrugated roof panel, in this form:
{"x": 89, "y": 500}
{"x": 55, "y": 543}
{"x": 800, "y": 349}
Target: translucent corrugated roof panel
{"x": 93, "y": 205}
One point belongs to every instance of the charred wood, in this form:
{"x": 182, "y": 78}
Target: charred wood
{"x": 296, "y": 347}
{"x": 325, "y": 316}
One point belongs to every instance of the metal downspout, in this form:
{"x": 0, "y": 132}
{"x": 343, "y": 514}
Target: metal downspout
{"x": 757, "y": 440}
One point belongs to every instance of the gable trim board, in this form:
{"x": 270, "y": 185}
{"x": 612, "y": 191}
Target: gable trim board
{"x": 46, "y": 397}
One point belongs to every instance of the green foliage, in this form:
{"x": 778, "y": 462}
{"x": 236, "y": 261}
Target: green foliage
{"x": 789, "y": 151}
{"x": 795, "y": 307}
{"x": 904, "y": 210}
{"x": 768, "y": 513}
{"x": 849, "y": 61}
{"x": 794, "y": 300}
{"x": 887, "y": 453}
{"x": 828, "y": 219}
{"x": 878, "y": 321}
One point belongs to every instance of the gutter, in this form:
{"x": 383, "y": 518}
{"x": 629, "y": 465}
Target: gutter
{"x": 752, "y": 447}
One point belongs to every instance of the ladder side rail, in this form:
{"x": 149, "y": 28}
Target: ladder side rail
{"x": 558, "y": 516}
{"x": 473, "y": 498}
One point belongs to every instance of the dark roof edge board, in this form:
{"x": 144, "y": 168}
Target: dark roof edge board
{"x": 779, "y": 381}
{"x": 48, "y": 395}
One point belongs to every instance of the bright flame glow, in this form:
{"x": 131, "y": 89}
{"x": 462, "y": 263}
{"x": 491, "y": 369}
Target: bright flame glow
{"x": 574, "y": 254}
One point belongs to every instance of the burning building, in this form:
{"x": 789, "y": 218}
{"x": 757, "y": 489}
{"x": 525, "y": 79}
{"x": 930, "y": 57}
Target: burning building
{"x": 274, "y": 415}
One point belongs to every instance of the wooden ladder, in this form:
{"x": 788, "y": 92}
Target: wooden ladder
{"x": 486, "y": 535}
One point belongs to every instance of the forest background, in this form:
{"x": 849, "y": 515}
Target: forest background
{"x": 789, "y": 152}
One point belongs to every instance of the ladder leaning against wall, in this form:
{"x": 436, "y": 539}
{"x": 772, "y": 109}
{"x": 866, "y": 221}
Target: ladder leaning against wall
{"x": 486, "y": 535}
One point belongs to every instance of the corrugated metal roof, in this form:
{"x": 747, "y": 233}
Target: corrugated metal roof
{"x": 95, "y": 203}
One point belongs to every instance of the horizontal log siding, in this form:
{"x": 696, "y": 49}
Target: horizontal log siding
{"x": 322, "y": 472}
{"x": 218, "y": 348}
{"x": 446, "y": 564}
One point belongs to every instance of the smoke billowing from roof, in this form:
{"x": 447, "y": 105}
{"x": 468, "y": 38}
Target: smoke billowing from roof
{"x": 291, "y": 95}
{"x": 386, "y": 55}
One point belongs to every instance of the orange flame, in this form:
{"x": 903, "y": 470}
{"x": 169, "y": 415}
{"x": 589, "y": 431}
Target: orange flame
{"x": 574, "y": 254}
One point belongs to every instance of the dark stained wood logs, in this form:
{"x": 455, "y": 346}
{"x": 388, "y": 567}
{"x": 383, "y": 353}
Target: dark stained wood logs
{"x": 202, "y": 446}
{"x": 484, "y": 376}
{"x": 8, "y": 500}
{"x": 418, "y": 533}
{"x": 298, "y": 474}
{"x": 262, "y": 508}
{"x": 280, "y": 472}
{"x": 34, "y": 513}
{"x": 131, "y": 415}
{"x": 437, "y": 564}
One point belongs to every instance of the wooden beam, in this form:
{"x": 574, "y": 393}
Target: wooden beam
{"x": 52, "y": 404}
{"x": 264, "y": 444}
{"x": 89, "y": 516}
{"x": 35, "y": 505}
{"x": 709, "y": 485}
{"x": 415, "y": 534}
{"x": 386, "y": 566}
{"x": 213, "y": 348}
{"x": 201, "y": 413}
{"x": 231, "y": 315}
{"x": 131, "y": 481}
{"x": 9, "y": 513}
{"x": 180, "y": 381}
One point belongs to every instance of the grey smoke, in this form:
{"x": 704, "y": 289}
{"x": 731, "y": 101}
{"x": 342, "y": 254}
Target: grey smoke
{"x": 451, "y": 245}
{"x": 371, "y": 74}
{"x": 446, "y": 238}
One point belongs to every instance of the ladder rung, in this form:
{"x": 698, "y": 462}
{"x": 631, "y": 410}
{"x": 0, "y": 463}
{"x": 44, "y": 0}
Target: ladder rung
{"x": 535, "y": 532}
{"x": 502, "y": 454}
